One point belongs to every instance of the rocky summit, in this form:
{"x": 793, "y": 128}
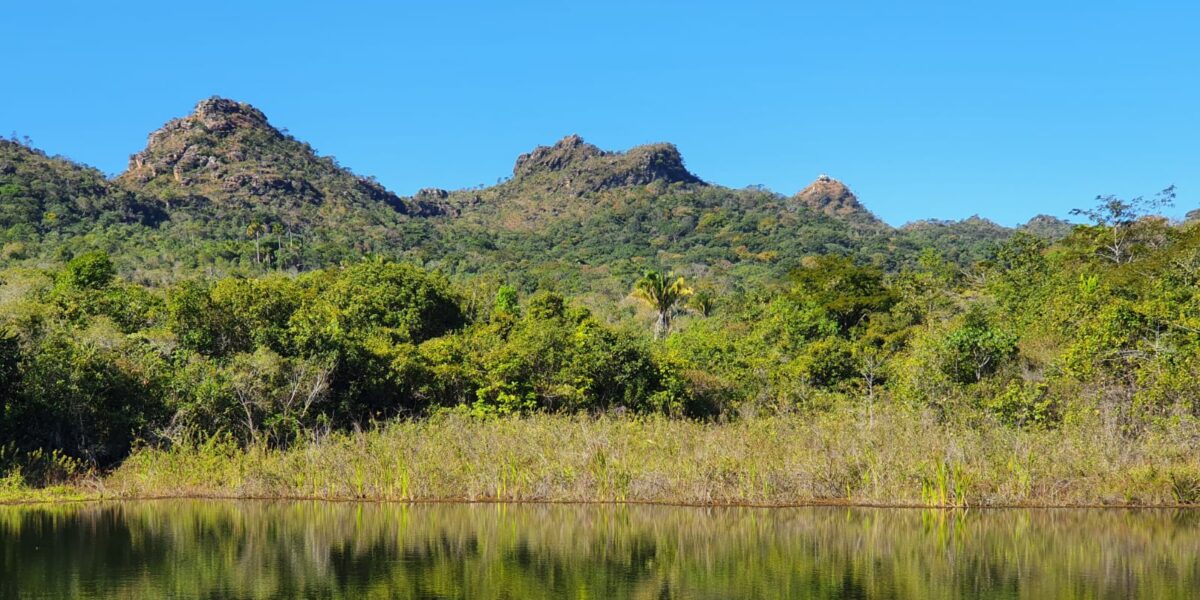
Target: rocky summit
{"x": 227, "y": 152}
{"x": 575, "y": 167}
{"x": 831, "y": 197}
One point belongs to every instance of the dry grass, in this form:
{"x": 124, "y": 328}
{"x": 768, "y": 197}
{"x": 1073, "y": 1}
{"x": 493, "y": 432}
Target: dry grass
{"x": 894, "y": 457}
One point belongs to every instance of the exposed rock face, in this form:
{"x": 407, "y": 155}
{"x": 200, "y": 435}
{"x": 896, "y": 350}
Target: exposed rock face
{"x": 433, "y": 201}
{"x": 831, "y": 197}
{"x": 192, "y": 143}
{"x": 432, "y": 194}
{"x": 227, "y": 151}
{"x": 567, "y": 151}
{"x": 575, "y": 167}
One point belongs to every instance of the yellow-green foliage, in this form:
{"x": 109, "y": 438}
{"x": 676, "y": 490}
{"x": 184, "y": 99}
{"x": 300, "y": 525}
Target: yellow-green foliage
{"x": 879, "y": 455}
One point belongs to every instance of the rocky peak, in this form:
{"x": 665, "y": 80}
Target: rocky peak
{"x": 212, "y": 134}
{"x": 660, "y": 162}
{"x": 565, "y": 152}
{"x": 833, "y": 198}
{"x": 432, "y": 194}
{"x": 227, "y": 151}
{"x": 221, "y": 115}
{"x": 576, "y": 167}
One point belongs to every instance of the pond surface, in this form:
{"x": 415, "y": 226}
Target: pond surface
{"x": 268, "y": 549}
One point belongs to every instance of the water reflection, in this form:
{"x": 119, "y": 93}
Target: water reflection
{"x": 255, "y": 549}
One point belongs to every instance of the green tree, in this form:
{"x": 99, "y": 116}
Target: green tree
{"x": 976, "y": 349}
{"x": 88, "y": 396}
{"x": 506, "y": 302}
{"x": 89, "y": 271}
{"x": 10, "y": 377}
{"x": 702, "y": 302}
{"x": 1120, "y": 218}
{"x": 664, "y": 295}
{"x": 200, "y": 324}
{"x": 847, "y": 291}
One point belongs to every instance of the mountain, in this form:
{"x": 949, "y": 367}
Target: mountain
{"x": 566, "y": 180}
{"x": 228, "y": 153}
{"x": 573, "y": 166}
{"x": 831, "y": 197}
{"x": 963, "y": 242}
{"x": 574, "y": 215}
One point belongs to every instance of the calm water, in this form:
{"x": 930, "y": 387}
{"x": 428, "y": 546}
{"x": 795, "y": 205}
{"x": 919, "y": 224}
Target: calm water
{"x": 226, "y": 549}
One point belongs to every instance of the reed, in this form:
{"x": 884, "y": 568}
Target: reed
{"x": 898, "y": 457}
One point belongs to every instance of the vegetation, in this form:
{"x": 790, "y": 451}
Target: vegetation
{"x": 289, "y": 302}
{"x": 896, "y": 456}
{"x": 664, "y": 296}
{"x": 223, "y": 192}
{"x": 1044, "y": 374}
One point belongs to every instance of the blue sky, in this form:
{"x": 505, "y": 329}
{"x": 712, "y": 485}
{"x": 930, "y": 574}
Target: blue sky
{"x": 926, "y": 109}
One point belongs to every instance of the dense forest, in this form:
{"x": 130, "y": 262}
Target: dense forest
{"x": 232, "y": 283}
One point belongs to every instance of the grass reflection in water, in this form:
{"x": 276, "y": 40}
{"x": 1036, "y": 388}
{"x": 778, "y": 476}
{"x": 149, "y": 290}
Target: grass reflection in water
{"x": 260, "y": 549}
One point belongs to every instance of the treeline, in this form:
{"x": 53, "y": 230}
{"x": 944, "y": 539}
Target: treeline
{"x": 1104, "y": 324}
{"x": 93, "y": 363}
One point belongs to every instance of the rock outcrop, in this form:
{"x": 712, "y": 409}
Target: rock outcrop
{"x": 575, "y": 167}
{"x": 831, "y": 197}
{"x": 227, "y": 152}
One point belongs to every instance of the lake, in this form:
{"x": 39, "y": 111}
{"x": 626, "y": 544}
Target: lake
{"x": 284, "y": 549}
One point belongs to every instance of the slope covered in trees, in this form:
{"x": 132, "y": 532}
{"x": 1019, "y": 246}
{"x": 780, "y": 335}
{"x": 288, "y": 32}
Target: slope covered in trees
{"x": 223, "y": 191}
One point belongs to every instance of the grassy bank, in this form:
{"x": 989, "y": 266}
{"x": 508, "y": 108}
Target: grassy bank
{"x": 893, "y": 456}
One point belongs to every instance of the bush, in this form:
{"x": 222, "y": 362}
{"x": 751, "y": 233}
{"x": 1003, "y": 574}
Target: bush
{"x": 975, "y": 349}
{"x": 89, "y": 271}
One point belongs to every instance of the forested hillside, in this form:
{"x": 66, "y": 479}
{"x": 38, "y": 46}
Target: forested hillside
{"x": 223, "y": 191}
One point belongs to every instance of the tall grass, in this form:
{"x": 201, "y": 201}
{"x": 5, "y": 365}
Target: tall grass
{"x": 897, "y": 456}
{"x": 40, "y": 476}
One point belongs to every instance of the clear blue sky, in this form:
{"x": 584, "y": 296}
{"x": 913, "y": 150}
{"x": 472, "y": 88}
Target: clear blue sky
{"x": 927, "y": 110}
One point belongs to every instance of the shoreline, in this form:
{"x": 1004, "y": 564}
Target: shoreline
{"x": 817, "y": 503}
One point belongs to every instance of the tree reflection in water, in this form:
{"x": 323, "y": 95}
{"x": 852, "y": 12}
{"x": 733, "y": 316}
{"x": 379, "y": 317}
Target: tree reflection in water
{"x": 276, "y": 549}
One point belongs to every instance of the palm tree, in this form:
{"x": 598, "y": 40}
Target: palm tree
{"x": 256, "y": 229}
{"x": 663, "y": 296}
{"x": 702, "y": 302}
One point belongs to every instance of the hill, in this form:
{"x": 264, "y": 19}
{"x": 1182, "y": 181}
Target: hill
{"x": 220, "y": 189}
{"x": 833, "y": 198}
{"x": 223, "y": 190}
{"x": 227, "y": 152}
{"x": 51, "y": 199}
{"x": 579, "y": 218}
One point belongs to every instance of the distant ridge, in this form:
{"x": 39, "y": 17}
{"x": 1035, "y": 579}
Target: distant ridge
{"x": 223, "y": 188}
